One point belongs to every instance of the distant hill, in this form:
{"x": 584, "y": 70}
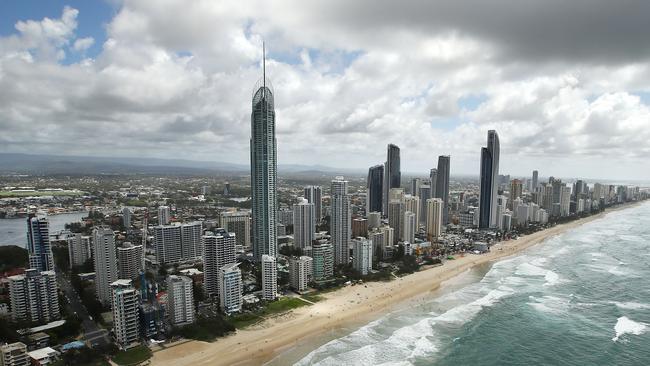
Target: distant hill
{"x": 88, "y": 165}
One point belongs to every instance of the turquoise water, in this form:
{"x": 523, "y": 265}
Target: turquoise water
{"x": 581, "y": 298}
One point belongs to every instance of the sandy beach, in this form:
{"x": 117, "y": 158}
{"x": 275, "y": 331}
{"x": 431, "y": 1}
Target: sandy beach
{"x": 262, "y": 343}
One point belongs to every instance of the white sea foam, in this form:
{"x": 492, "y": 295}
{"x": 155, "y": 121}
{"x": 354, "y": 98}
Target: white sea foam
{"x": 626, "y": 326}
{"x": 549, "y": 304}
{"x": 630, "y": 305}
{"x": 463, "y": 313}
{"x": 551, "y": 278}
{"x": 527, "y": 269}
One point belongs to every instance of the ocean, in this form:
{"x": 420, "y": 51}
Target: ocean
{"x": 580, "y": 298}
{"x": 14, "y": 231}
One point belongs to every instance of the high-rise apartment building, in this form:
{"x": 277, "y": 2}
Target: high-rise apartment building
{"x": 323, "y": 256}
{"x": 79, "y": 250}
{"x": 410, "y": 227}
{"x": 535, "y": 181}
{"x": 126, "y": 217}
{"x": 33, "y": 296}
{"x": 178, "y": 242}
{"x": 415, "y": 186}
{"x": 230, "y": 288}
{"x": 412, "y": 203}
{"x": 300, "y": 272}
{"x": 38, "y": 244}
{"x": 340, "y": 221}
{"x": 374, "y": 189}
{"x": 125, "y": 314}
{"x": 314, "y": 194}
{"x": 264, "y": 169}
{"x": 304, "y": 224}
{"x": 180, "y": 300}
{"x": 237, "y": 222}
{"x": 269, "y": 278}
{"x": 130, "y": 261}
{"x": 164, "y": 215}
{"x": 434, "y": 218}
{"x": 516, "y": 189}
{"x": 442, "y": 185}
{"x": 106, "y": 271}
{"x": 218, "y": 251}
{"x": 433, "y": 181}
{"x": 489, "y": 184}
{"x": 392, "y": 173}
{"x": 362, "y": 255}
{"x": 424, "y": 194}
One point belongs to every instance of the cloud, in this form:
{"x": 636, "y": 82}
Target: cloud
{"x": 83, "y": 44}
{"x": 175, "y": 78}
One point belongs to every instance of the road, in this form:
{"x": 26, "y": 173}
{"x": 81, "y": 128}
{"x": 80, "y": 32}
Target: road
{"x": 93, "y": 334}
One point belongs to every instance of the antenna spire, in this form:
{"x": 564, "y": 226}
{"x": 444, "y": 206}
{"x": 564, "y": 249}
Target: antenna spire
{"x": 264, "y": 66}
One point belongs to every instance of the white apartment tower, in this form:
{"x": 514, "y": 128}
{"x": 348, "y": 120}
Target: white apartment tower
{"x": 79, "y": 250}
{"x": 164, "y": 216}
{"x": 340, "y": 223}
{"x": 105, "y": 263}
{"x": 177, "y": 243}
{"x": 180, "y": 300}
{"x": 300, "y": 272}
{"x": 230, "y": 288}
{"x": 33, "y": 296}
{"x": 218, "y": 251}
{"x": 362, "y": 250}
{"x": 410, "y": 226}
{"x": 304, "y": 224}
{"x": 130, "y": 261}
{"x": 269, "y": 278}
{"x": 125, "y": 313}
{"x": 434, "y": 218}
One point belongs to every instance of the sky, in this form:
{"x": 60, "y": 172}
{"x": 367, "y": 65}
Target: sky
{"x": 566, "y": 84}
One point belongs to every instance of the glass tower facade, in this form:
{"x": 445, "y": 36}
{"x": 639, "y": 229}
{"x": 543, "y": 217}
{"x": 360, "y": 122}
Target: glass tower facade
{"x": 38, "y": 244}
{"x": 374, "y": 189}
{"x": 489, "y": 183}
{"x": 263, "y": 171}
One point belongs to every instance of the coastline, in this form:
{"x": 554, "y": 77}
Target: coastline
{"x": 349, "y": 305}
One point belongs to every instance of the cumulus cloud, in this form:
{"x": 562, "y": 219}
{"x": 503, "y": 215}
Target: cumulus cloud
{"x": 174, "y": 79}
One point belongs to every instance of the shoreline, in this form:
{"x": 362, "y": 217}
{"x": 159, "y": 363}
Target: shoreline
{"x": 349, "y": 305}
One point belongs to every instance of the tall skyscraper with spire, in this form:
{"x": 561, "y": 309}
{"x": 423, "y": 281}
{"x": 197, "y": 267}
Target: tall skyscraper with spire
{"x": 264, "y": 168}
{"x": 489, "y": 184}
{"x": 392, "y": 173}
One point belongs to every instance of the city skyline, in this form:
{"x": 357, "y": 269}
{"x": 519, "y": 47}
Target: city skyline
{"x": 581, "y": 107}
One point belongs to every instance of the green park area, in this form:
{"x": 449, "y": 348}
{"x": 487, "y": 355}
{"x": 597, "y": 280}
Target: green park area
{"x": 285, "y": 304}
{"x": 132, "y": 356}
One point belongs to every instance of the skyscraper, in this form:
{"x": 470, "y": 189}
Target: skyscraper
{"x": 230, "y": 288}
{"x": 126, "y": 217}
{"x": 340, "y": 223}
{"x": 535, "y": 180}
{"x": 516, "y": 189}
{"x": 178, "y": 242}
{"x": 38, "y": 244}
{"x": 442, "y": 186}
{"x": 314, "y": 194}
{"x": 79, "y": 249}
{"x": 269, "y": 278}
{"x": 410, "y": 227}
{"x": 105, "y": 263}
{"x": 180, "y": 300}
{"x": 263, "y": 168}
{"x": 392, "y": 173}
{"x": 239, "y": 223}
{"x": 300, "y": 272}
{"x": 130, "y": 261}
{"x": 125, "y": 313}
{"x": 33, "y": 296}
{"x": 362, "y": 255}
{"x": 489, "y": 185}
{"x": 304, "y": 224}
{"x": 375, "y": 191}
{"x": 163, "y": 215}
{"x": 415, "y": 186}
{"x": 218, "y": 251}
{"x": 433, "y": 181}
{"x": 434, "y": 218}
